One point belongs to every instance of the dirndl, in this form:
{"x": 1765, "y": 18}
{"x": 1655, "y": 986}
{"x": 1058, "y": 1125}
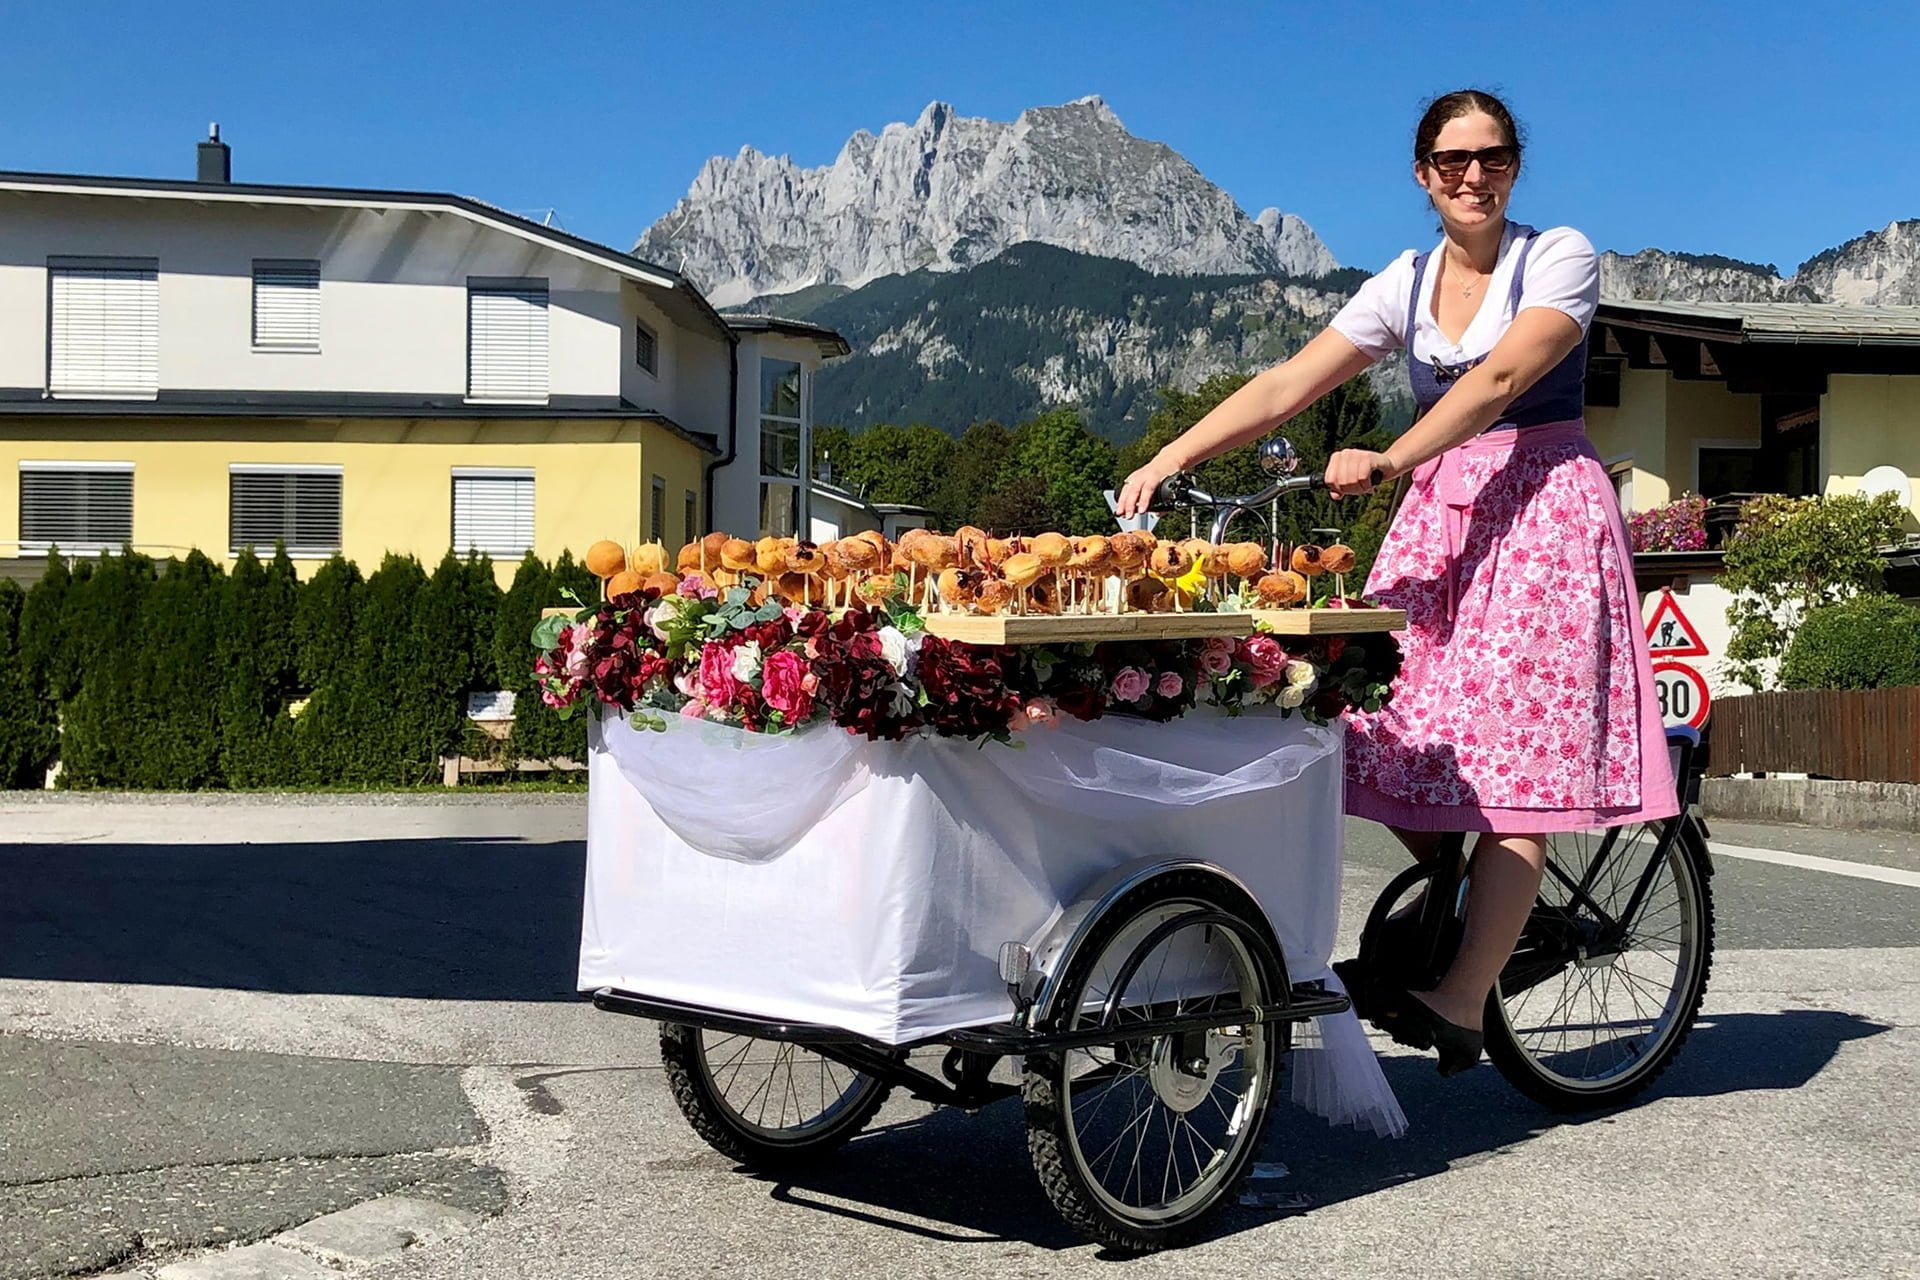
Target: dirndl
{"x": 1525, "y": 702}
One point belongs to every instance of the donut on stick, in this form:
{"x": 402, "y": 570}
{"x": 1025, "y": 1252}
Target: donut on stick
{"x": 1022, "y": 570}
{"x": 1338, "y": 560}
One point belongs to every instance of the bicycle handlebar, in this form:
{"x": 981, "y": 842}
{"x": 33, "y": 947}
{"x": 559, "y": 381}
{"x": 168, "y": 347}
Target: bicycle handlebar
{"x": 1180, "y": 491}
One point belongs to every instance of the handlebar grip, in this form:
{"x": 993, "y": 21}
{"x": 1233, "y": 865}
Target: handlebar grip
{"x": 1173, "y": 493}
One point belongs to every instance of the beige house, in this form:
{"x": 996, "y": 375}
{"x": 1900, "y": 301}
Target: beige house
{"x": 1728, "y": 399}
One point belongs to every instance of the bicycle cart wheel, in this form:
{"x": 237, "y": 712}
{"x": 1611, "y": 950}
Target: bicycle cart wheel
{"x": 1139, "y": 1140}
{"x": 1609, "y": 975}
{"x": 765, "y": 1103}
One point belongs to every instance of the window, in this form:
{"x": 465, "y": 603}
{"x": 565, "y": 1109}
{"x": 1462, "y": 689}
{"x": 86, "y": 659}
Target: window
{"x": 646, "y": 348}
{"x": 1621, "y": 474}
{"x": 103, "y": 337}
{"x": 693, "y": 516}
{"x": 286, "y": 305}
{"x": 507, "y": 341}
{"x": 299, "y": 506}
{"x": 1726, "y": 469}
{"x": 782, "y": 439}
{"x": 84, "y": 507}
{"x": 658, "y": 514}
{"x": 493, "y": 511}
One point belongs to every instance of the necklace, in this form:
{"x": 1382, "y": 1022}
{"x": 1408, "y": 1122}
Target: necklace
{"x": 1466, "y": 290}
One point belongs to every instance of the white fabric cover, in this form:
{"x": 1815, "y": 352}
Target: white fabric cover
{"x": 822, "y": 878}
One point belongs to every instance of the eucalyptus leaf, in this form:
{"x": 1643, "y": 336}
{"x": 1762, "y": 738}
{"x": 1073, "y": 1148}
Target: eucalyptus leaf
{"x": 546, "y": 632}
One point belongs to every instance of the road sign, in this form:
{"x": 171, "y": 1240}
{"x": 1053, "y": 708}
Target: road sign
{"x": 1669, "y": 632}
{"x": 1682, "y": 692}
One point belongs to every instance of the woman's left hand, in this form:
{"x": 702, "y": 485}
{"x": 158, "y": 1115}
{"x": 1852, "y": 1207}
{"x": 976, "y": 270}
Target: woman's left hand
{"x": 1352, "y": 471}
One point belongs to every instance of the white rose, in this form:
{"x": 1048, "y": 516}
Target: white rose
{"x": 661, "y": 615}
{"x": 746, "y": 662}
{"x": 1299, "y": 674}
{"x": 1292, "y": 697}
{"x": 895, "y": 648}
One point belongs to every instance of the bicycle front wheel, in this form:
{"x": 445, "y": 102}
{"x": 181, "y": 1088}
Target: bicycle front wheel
{"x": 1609, "y": 975}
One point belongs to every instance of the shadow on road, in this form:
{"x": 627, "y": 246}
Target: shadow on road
{"x": 457, "y": 918}
{"x": 949, "y": 1177}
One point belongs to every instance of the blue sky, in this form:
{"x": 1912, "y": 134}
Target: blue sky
{"x": 1766, "y": 130}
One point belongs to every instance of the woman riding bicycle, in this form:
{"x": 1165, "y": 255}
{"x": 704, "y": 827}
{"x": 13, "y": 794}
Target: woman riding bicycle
{"x": 1525, "y": 705}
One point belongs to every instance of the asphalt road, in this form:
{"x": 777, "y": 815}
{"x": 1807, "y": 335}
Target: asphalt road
{"x": 218, "y": 1018}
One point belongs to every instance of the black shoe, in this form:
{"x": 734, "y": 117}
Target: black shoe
{"x": 1412, "y": 1022}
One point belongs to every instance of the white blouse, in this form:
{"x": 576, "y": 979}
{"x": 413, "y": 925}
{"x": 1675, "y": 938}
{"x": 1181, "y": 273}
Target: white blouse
{"x": 1562, "y": 273}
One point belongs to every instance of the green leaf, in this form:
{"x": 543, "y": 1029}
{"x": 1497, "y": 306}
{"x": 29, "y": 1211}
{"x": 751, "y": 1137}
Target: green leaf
{"x": 546, "y": 632}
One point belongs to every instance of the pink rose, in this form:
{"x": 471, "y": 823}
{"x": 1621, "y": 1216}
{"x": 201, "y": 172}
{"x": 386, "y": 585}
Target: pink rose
{"x": 694, "y": 709}
{"x": 696, "y": 587}
{"x": 1040, "y": 712}
{"x": 1130, "y": 685}
{"x": 783, "y": 683}
{"x": 1265, "y": 659}
{"x": 1216, "y": 658}
{"x": 717, "y": 685}
{"x": 1169, "y": 685}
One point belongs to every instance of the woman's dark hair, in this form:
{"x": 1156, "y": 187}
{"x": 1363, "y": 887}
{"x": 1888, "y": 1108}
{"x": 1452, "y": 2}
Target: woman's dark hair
{"x": 1462, "y": 102}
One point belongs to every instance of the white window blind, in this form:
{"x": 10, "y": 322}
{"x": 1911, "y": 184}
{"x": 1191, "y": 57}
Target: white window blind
{"x": 299, "y": 506}
{"x": 507, "y": 343}
{"x": 75, "y": 506}
{"x": 286, "y": 305}
{"x": 493, "y": 512}
{"x": 104, "y": 339}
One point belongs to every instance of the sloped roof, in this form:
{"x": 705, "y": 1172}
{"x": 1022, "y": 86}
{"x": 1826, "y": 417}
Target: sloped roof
{"x": 1772, "y": 322}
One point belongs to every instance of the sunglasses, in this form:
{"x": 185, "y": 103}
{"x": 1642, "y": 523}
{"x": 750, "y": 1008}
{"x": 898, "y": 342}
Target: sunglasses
{"x": 1451, "y": 164}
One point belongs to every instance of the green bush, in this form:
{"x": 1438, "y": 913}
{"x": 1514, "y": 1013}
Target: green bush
{"x": 323, "y": 618}
{"x": 100, "y": 621}
{"x": 170, "y": 722}
{"x": 538, "y": 732}
{"x": 27, "y": 738}
{"x": 1868, "y": 642}
{"x": 44, "y": 651}
{"x": 258, "y": 672}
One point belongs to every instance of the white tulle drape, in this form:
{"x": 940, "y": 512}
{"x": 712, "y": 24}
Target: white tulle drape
{"x": 822, "y": 878}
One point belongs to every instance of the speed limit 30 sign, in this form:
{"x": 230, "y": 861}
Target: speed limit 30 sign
{"x": 1682, "y": 692}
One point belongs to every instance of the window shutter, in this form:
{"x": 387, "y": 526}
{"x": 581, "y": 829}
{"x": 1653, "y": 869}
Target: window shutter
{"x": 299, "y": 508}
{"x": 646, "y": 348}
{"x": 507, "y": 344}
{"x": 78, "y": 508}
{"x": 493, "y": 512}
{"x": 286, "y": 305}
{"x": 104, "y": 339}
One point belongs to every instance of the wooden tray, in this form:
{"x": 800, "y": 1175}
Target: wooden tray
{"x": 1079, "y": 629}
{"x": 1331, "y": 622}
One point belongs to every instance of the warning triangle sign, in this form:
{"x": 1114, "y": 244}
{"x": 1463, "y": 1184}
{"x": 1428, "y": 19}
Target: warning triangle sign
{"x": 1670, "y": 634}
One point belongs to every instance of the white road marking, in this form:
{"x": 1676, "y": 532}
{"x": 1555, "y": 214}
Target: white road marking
{"x": 1808, "y": 862}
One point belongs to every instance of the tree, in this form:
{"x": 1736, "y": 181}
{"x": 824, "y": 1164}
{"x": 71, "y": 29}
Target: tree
{"x": 100, "y": 618}
{"x": 971, "y": 475}
{"x": 538, "y": 731}
{"x": 258, "y": 671}
{"x": 1072, "y": 464}
{"x": 887, "y": 463}
{"x": 28, "y": 740}
{"x": 169, "y": 718}
{"x": 1788, "y": 556}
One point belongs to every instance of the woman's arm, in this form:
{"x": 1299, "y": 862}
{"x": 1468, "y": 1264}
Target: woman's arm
{"x": 1538, "y": 339}
{"x": 1266, "y": 401}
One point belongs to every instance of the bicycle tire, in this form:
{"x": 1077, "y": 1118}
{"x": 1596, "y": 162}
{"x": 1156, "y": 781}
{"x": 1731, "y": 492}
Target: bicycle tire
{"x": 703, "y": 1101}
{"x": 1682, "y": 845}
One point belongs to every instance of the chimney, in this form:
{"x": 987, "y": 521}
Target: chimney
{"x": 216, "y": 158}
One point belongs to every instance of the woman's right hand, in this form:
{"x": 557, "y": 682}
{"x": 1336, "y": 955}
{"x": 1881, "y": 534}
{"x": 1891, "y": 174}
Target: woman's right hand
{"x": 1137, "y": 493}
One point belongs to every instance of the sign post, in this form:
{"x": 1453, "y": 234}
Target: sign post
{"x": 1682, "y": 690}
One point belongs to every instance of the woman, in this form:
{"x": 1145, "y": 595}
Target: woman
{"x": 1525, "y": 703}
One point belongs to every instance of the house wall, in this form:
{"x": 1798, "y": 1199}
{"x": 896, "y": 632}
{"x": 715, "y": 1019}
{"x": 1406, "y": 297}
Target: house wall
{"x": 1868, "y": 421}
{"x": 1698, "y": 413}
{"x": 591, "y": 479}
{"x": 1636, "y": 429}
{"x": 393, "y": 294}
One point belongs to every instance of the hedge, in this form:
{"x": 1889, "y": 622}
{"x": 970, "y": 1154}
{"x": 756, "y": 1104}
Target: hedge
{"x": 180, "y": 675}
{"x": 1868, "y": 642}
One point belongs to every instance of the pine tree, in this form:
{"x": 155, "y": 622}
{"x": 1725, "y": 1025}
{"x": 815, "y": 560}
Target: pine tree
{"x": 170, "y": 719}
{"x": 258, "y": 672}
{"x": 27, "y": 737}
{"x": 101, "y": 621}
{"x": 323, "y": 622}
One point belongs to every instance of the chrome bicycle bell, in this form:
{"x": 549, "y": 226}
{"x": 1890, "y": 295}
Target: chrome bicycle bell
{"x": 1277, "y": 457}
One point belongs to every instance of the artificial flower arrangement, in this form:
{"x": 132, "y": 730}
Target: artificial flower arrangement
{"x": 742, "y": 657}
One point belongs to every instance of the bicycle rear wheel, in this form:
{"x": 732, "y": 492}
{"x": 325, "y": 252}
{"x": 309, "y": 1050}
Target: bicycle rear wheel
{"x": 1609, "y": 975}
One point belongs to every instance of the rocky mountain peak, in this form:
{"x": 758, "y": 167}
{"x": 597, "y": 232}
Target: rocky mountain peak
{"x": 950, "y": 191}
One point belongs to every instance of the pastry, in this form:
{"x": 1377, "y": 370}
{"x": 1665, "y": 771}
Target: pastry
{"x": 1279, "y": 590}
{"x": 959, "y": 588}
{"x": 623, "y": 583}
{"x": 1306, "y": 560}
{"x": 604, "y": 559}
{"x": 737, "y": 554}
{"x": 971, "y": 544}
{"x": 1054, "y": 549}
{"x": 664, "y": 583}
{"x": 769, "y": 557}
{"x": 648, "y": 557}
{"x": 994, "y": 595}
{"x": 1169, "y": 560}
{"x": 1337, "y": 558}
{"x": 1247, "y": 559}
{"x": 1023, "y": 569}
{"x": 1148, "y": 595}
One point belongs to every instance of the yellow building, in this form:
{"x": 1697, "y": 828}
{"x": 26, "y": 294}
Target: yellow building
{"x": 1724, "y": 400}
{"x": 216, "y": 365}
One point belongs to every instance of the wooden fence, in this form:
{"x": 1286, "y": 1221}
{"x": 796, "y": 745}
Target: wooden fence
{"x": 1871, "y": 736}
